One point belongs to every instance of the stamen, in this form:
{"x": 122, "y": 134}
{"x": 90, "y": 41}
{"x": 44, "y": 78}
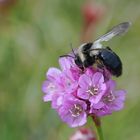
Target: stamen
{"x": 76, "y": 110}
{"x": 93, "y": 90}
{"x": 109, "y": 98}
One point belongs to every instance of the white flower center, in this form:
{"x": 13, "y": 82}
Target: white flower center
{"x": 76, "y": 110}
{"x": 93, "y": 90}
{"x": 109, "y": 98}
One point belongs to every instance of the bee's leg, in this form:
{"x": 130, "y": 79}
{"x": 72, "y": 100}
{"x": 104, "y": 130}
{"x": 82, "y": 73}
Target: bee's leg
{"x": 102, "y": 68}
{"x": 99, "y": 64}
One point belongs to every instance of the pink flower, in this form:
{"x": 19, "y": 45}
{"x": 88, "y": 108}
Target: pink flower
{"x": 112, "y": 100}
{"x": 67, "y": 63}
{"x": 59, "y": 82}
{"x": 49, "y": 86}
{"x": 83, "y": 134}
{"x": 91, "y": 88}
{"x": 92, "y": 12}
{"x": 49, "y": 89}
{"x": 57, "y": 100}
{"x": 73, "y": 111}
{"x": 69, "y": 81}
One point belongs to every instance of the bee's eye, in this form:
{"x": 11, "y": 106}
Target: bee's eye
{"x": 78, "y": 62}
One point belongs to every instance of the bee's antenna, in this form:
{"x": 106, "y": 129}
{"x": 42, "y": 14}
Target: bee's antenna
{"x": 72, "y": 49}
{"x": 66, "y": 56}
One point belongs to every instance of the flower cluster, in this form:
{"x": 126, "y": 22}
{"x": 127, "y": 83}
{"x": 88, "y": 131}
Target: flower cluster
{"x": 77, "y": 94}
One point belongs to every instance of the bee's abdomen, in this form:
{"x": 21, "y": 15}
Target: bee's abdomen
{"x": 111, "y": 61}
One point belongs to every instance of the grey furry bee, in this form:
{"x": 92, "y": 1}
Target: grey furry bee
{"x": 95, "y": 53}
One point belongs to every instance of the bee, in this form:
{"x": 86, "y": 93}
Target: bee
{"x": 92, "y": 53}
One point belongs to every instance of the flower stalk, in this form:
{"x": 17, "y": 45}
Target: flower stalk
{"x": 98, "y": 125}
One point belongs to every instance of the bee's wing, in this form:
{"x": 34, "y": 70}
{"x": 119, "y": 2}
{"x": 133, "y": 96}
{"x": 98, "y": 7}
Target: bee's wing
{"x": 115, "y": 31}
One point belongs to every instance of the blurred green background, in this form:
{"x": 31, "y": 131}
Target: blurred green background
{"x": 33, "y": 34}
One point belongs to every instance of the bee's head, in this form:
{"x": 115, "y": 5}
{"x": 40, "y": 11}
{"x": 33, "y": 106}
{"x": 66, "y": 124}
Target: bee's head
{"x": 78, "y": 62}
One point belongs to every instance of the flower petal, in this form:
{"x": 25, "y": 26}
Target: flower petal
{"x": 48, "y": 97}
{"x": 84, "y": 81}
{"x": 120, "y": 94}
{"x": 57, "y": 100}
{"x": 97, "y": 78}
{"x": 66, "y": 63}
{"x": 82, "y": 94}
{"x": 79, "y": 121}
{"x": 53, "y": 73}
{"x": 49, "y": 89}
{"x": 111, "y": 84}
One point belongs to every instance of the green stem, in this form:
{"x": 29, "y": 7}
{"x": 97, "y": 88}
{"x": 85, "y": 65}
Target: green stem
{"x": 97, "y": 122}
